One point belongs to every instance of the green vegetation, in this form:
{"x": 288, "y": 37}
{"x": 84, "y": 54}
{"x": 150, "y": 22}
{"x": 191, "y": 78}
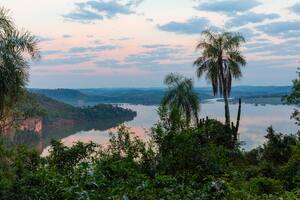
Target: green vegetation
{"x": 181, "y": 98}
{"x": 294, "y": 98}
{"x": 55, "y": 110}
{"x": 180, "y": 162}
{"x": 15, "y": 47}
{"x": 61, "y": 120}
{"x": 186, "y": 157}
{"x": 221, "y": 60}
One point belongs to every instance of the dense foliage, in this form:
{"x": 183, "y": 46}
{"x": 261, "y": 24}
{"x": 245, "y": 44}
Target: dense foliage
{"x": 57, "y": 110}
{"x": 181, "y": 97}
{"x": 182, "y": 160}
{"x": 16, "y": 50}
{"x": 179, "y": 162}
{"x": 60, "y": 120}
{"x": 294, "y": 97}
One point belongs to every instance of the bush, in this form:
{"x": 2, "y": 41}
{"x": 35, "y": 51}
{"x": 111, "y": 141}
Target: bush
{"x": 264, "y": 186}
{"x": 290, "y": 172}
{"x": 190, "y": 163}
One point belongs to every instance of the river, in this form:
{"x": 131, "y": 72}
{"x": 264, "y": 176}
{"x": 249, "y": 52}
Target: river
{"x": 255, "y": 119}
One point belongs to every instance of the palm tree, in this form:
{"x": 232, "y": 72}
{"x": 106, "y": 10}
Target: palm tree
{"x": 180, "y": 96}
{"x": 221, "y": 61}
{"x": 16, "y": 48}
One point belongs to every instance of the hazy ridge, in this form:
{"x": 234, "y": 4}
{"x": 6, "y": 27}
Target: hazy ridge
{"x": 153, "y": 96}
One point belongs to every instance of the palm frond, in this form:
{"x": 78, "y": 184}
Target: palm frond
{"x": 180, "y": 96}
{"x": 6, "y": 23}
{"x": 209, "y": 35}
{"x": 237, "y": 57}
{"x": 15, "y": 47}
{"x": 233, "y": 41}
{"x": 235, "y": 69}
{"x": 22, "y": 42}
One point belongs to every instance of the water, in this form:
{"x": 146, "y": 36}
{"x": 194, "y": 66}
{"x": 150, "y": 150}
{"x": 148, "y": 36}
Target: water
{"x": 254, "y": 122}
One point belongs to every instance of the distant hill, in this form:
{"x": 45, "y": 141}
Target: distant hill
{"x": 248, "y": 91}
{"x": 59, "y": 119}
{"x": 70, "y": 96}
{"x": 153, "y": 96}
{"x": 55, "y": 109}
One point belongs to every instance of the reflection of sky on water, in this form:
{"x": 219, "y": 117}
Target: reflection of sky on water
{"x": 254, "y": 122}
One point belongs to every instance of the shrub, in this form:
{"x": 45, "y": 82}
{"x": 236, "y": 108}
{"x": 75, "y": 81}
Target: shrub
{"x": 264, "y": 186}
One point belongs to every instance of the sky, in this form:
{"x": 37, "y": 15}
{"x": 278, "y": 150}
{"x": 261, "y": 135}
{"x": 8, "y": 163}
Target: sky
{"x": 135, "y": 43}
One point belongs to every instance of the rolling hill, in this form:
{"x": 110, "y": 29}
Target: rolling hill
{"x": 153, "y": 96}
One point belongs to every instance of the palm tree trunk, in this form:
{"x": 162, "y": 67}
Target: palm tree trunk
{"x": 227, "y": 112}
{"x": 225, "y": 92}
{"x": 238, "y": 116}
{"x": 197, "y": 119}
{"x": 236, "y": 132}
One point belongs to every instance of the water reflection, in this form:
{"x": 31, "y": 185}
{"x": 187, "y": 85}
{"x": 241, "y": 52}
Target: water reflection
{"x": 254, "y": 122}
{"x": 65, "y": 131}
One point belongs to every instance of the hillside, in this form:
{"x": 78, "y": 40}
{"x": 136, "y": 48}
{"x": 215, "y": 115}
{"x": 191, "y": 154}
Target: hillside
{"x": 58, "y": 110}
{"x": 66, "y": 95}
{"x": 59, "y": 120}
{"x": 153, "y": 96}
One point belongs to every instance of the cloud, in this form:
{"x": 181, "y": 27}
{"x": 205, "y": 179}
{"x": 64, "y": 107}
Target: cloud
{"x": 69, "y": 60}
{"x": 153, "y": 58}
{"x": 51, "y": 52}
{"x": 296, "y": 8}
{"x": 44, "y": 39}
{"x": 227, "y": 6}
{"x": 276, "y": 64}
{"x": 100, "y": 9}
{"x": 192, "y": 26}
{"x": 82, "y": 15}
{"x": 161, "y": 60}
{"x": 283, "y": 28}
{"x": 286, "y": 48}
{"x": 154, "y": 46}
{"x": 150, "y": 20}
{"x": 250, "y": 17}
{"x": 124, "y": 38}
{"x": 67, "y": 36}
{"x": 155, "y": 55}
{"x": 92, "y": 49}
{"x": 247, "y": 33}
{"x": 82, "y": 71}
{"x": 108, "y": 63}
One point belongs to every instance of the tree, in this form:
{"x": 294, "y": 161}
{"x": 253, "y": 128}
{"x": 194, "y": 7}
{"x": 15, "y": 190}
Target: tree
{"x": 221, "y": 61}
{"x": 181, "y": 97}
{"x": 294, "y": 98}
{"x": 16, "y": 48}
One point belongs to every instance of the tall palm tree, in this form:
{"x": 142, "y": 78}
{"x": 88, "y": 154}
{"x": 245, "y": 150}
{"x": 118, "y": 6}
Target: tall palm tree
{"x": 16, "y": 49}
{"x": 180, "y": 96}
{"x": 221, "y": 61}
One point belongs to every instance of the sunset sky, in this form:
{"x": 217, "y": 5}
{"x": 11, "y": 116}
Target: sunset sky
{"x": 135, "y": 43}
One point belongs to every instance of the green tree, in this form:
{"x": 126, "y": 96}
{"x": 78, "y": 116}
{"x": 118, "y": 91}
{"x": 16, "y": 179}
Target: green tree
{"x": 181, "y": 97}
{"x": 294, "y": 98}
{"x": 221, "y": 61}
{"x": 16, "y": 48}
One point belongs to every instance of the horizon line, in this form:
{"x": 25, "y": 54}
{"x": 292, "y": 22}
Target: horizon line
{"x": 204, "y": 87}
